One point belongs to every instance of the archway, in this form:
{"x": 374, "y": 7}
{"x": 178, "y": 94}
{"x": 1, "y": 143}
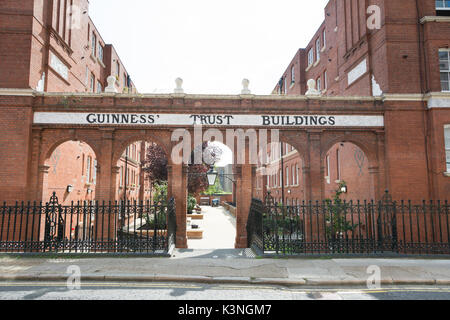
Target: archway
{"x": 283, "y": 176}
{"x": 69, "y": 177}
{"x": 347, "y": 165}
{"x": 70, "y": 172}
{"x": 211, "y": 224}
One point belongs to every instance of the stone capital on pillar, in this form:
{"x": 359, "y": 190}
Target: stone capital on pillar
{"x": 374, "y": 170}
{"x": 44, "y": 169}
{"x": 115, "y": 170}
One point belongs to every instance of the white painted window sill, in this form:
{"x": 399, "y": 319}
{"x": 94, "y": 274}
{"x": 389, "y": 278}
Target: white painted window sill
{"x": 447, "y": 174}
{"x": 101, "y": 62}
{"x": 323, "y": 49}
{"x": 309, "y": 67}
{"x": 317, "y": 62}
{"x": 93, "y": 58}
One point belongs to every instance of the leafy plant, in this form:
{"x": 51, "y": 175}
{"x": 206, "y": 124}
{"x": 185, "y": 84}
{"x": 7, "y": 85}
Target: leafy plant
{"x": 161, "y": 219}
{"x": 337, "y": 225}
{"x": 156, "y": 162}
{"x": 160, "y": 192}
{"x": 191, "y": 204}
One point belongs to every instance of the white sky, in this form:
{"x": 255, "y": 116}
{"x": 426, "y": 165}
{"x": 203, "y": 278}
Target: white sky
{"x": 227, "y": 155}
{"x": 211, "y": 44}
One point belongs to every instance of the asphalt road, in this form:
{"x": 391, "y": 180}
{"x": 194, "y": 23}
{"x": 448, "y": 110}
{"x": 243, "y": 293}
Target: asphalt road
{"x": 182, "y": 291}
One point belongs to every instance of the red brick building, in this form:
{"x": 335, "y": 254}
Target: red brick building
{"x": 371, "y": 48}
{"x": 407, "y": 151}
{"x": 54, "y": 46}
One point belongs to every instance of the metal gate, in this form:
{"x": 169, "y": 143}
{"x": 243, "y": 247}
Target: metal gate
{"x": 88, "y": 227}
{"x": 347, "y": 228}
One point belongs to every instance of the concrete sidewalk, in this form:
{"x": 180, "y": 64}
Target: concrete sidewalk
{"x": 219, "y": 229}
{"x": 230, "y": 266}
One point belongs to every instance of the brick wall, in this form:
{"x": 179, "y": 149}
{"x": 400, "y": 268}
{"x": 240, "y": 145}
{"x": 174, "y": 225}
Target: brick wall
{"x": 68, "y": 165}
{"x": 15, "y": 154}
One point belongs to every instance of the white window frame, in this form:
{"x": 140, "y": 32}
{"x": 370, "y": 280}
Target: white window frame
{"x": 445, "y": 71}
{"x": 338, "y": 164}
{"x": 280, "y": 183}
{"x": 92, "y": 85}
{"x": 324, "y": 40}
{"x": 297, "y": 178}
{"x": 99, "y": 87}
{"x": 293, "y": 74}
{"x": 444, "y": 6}
{"x": 94, "y": 173}
{"x": 100, "y": 52}
{"x": 94, "y": 44}
{"x": 325, "y": 76}
{"x": 88, "y": 170}
{"x": 319, "y": 84}
{"x": 318, "y": 48}
{"x": 287, "y": 176}
{"x": 88, "y": 73}
{"x": 310, "y": 56}
{"x": 328, "y": 177}
{"x": 293, "y": 176}
{"x": 447, "y": 146}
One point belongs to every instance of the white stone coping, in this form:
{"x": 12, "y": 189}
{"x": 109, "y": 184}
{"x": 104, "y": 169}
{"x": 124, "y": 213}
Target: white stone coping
{"x": 436, "y": 99}
{"x": 434, "y": 19}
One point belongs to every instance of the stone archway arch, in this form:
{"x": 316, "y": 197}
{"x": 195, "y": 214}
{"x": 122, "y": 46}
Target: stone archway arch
{"x": 51, "y": 139}
{"x": 367, "y": 142}
{"x": 124, "y": 138}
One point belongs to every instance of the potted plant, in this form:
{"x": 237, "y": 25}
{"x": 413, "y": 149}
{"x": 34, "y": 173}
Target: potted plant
{"x": 192, "y": 202}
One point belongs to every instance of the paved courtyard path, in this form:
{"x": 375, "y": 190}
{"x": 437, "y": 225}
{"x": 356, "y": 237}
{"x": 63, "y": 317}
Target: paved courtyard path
{"x": 219, "y": 229}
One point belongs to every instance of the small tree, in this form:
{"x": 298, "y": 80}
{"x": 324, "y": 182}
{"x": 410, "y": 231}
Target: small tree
{"x": 192, "y": 203}
{"x": 155, "y": 166}
{"x": 337, "y": 224}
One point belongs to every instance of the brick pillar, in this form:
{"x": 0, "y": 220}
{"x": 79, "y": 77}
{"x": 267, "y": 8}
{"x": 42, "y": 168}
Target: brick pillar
{"x": 107, "y": 223}
{"x": 264, "y": 184}
{"x": 379, "y": 177}
{"x": 177, "y": 189}
{"x": 34, "y": 183}
{"x": 316, "y": 169}
{"x": 375, "y": 190}
{"x": 243, "y": 202}
{"x": 43, "y": 183}
{"x": 105, "y": 186}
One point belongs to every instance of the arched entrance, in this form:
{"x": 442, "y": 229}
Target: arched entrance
{"x": 283, "y": 176}
{"x": 211, "y": 219}
{"x": 347, "y": 165}
{"x": 71, "y": 173}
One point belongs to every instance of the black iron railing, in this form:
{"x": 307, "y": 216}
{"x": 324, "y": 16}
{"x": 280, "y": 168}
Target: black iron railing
{"x": 87, "y": 227}
{"x": 384, "y": 227}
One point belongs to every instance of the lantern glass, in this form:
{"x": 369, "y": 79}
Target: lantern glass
{"x": 212, "y": 177}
